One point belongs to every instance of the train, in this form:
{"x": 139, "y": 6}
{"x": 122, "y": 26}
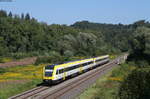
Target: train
{"x": 56, "y": 73}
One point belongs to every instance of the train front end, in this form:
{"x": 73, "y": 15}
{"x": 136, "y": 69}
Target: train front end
{"x": 48, "y": 74}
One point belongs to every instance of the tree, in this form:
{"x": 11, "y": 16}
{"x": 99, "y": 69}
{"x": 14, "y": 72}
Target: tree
{"x": 27, "y": 17}
{"x": 22, "y": 16}
{"x": 140, "y": 46}
{"x": 3, "y": 13}
{"x": 10, "y": 14}
{"x": 141, "y": 41}
{"x": 136, "y": 85}
{"x": 3, "y": 48}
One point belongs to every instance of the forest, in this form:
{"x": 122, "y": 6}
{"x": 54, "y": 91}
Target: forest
{"x": 24, "y": 36}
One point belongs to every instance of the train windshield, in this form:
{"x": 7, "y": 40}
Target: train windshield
{"x": 49, "y": 70}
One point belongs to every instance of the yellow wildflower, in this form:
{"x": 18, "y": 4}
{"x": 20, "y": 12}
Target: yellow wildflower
{"x": 115, "y": 78}
{"x": 6, "y": 60}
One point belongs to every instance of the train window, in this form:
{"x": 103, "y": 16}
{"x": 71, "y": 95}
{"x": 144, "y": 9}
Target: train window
{"x": 77, "y": 66}
{"x": 99, "y": 60}
{"x": 84, "y": 64}
{"x": 72, "y": 67}
{"x": 67, "y": 69}
{"x": 49, "y": 66}
{"x": 48, "y": 74}
{"x": 61, "y": 71}
{"x": 57, "y": 72}
{"x": 89, "y": 63}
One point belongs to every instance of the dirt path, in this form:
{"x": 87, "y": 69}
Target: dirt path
{"x": 25, "y": 61}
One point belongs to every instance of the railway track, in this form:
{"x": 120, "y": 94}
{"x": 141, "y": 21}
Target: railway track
{"x": 61, "y": 91}
{"x": 30, "y": 93}
{"x": 70, "y": 88}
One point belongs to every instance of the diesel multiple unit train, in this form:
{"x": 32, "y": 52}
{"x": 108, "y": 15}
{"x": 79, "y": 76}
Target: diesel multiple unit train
{"x": 57, "y": 73}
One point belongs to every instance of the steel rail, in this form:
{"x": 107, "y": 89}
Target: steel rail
{"x": 30, "y": 93}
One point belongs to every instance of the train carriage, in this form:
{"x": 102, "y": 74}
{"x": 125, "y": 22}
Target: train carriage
{"x": 55, "y": 73}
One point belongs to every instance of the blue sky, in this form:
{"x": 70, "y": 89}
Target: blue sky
{"x": 70, "y": 11}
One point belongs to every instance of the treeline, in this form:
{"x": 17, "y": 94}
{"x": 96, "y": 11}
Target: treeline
{"x": 133, "y": 38}
{"x": 24, "y": 36}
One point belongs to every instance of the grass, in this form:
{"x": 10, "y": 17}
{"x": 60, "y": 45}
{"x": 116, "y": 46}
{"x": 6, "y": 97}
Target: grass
{"x": 113, "y": 56}
{"x": 6, "y": 59}
{"x": 107, "y": 86}
{"x": 18, "y": 79}
{"x": 13, "y": 89}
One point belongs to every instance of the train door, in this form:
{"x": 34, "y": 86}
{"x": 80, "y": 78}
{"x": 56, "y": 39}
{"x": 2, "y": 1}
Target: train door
{"x": 81, "y": 68}
{"x": 58, "y": 75}
{"x": 64, "y": 74}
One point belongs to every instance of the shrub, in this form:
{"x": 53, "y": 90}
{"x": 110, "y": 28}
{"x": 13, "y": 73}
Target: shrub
{"x": 141, "y": 60}
{"x": 2, "y": 70}
{"x": 1, "y": 60}
{"x": 142, "y": 63}
{"x": 19, "y": 55}
{"x": 136, "y": 85}
{"x": 123, "y": 71}
{"x": 68, "y": 53}
{"x": 41, "y": 60}
{"x": 55, "y": 58}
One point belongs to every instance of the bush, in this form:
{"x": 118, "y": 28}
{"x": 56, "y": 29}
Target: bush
{"x": 141, "y": 60}
{"x": 3, "y": 70}
{"x": 136, "y": 85}
{"x": 142, "y": 63}
{"x": 1, "y": 60}
{"x": 19, "y": 55}
{"x": 41, "y": 60}
{"x": 68, "y": 53}
{"x": 55, "y": 58}
{"x": 123, "y": 70}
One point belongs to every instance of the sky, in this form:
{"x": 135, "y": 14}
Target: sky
{"x": 70, "y": 11}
